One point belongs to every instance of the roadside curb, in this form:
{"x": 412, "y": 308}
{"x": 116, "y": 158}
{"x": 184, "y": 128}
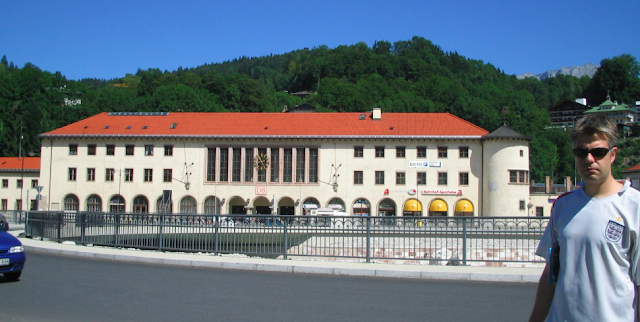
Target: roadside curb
{"x": 283, "y": 266}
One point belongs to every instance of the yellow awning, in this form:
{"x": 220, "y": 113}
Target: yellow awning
{"x": 438, "y": 205}
{"x": 412, "y": 205}
{"x": 464, "y": 206}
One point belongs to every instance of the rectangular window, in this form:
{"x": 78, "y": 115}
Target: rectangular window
{"x": 211, "y": 164}
{"x": 400, "y": 152}
{"x": 167, "y": 175}
{"x": 248, "y": 165}
{"x": 519, "y": 176}
{"x": 379, "y": 152}
{"x": 71, "y": 174}
{"x": 358, "y": 152}
{"x": 313, "y": 165}
{"x": 148, "y": 175}
{"x": 422, "y": 178}
{"x": 129, "y": 148}
{"x": 442, "y": 152}
{"x": 109, "y": 174}
{"x": 34, "y": 183}
{"x": 5, "y": 183}
{"x": 148, "y": 150}
{"x": 539, "y": 211}
{"x": 464, "y": 178}
{"x": 111, "y": 149}
{"x": 400, "y": 178}
{"x": 73, "y": 149}
{"x": 300, "y": 164}
{"x": 463, "y": 152}
{"x": 261, "y": 167}
{"x": 168, "y": 150}
{"x": 5, "y": 204}
{"x": 357, "y": 177}
{"x": 128, "y": 175}
{"x": 19, "y": 183}
{"x": 275, "y": 165}
{"x": 236, "y": 171}
{"x": 379, "y": 177}
{"x": 91, "y": 174}
{"x": 442, "y": 178}
{"x": 287, "y": 173}
{"x": 224, "y": 164}
{"x": 522, "y": 205}
{"x": 91, "y": 149}
{"x": 422, "y": 152}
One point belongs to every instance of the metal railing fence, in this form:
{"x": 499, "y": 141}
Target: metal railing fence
{"x": 439, "y": 240}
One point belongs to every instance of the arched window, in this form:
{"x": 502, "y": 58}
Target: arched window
{"x": 116, "y": 204}
{"x": 212, "y": 205}
{"x": 71, "y": 203}
{"x": 188, "y": 205}
{"x": 164, "y": 208}
{"x": 387, "y": 207}
{"x": 335, "y": 202}
{"x": 309, "y": 205}
{"x": 94, "y": 203}
{"x": 141, "y": 204}
{"x": 438, "y": 208}
{"x": 361, "y": 207}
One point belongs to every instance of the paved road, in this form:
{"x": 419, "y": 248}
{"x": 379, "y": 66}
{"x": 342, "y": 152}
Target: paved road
{"x": 57, "y": 288}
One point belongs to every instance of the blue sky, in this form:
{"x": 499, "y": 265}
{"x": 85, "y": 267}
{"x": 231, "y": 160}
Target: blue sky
{"x": 108, "y": 39}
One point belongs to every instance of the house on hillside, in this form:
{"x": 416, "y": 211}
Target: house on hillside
{"x": 633, "y": 174}
{"x": 566, "y": 112}
{"x": 619, "y": 113}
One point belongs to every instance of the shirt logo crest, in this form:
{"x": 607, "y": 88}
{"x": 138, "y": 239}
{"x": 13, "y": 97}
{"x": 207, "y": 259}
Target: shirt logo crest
{"x": 614, "y": 231}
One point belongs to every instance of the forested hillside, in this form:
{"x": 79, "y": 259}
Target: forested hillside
{"x": 406, "y": 76}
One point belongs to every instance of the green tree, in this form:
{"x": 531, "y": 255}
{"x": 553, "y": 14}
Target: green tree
{"x": 618, "y": 77}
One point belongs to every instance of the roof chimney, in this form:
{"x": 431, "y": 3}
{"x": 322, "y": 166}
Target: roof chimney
{"x": 377, "y": 114}
{"x": 582, "y": 101}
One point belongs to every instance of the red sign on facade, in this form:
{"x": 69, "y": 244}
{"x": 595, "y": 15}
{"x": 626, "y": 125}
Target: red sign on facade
{"x": 261, "y": 190}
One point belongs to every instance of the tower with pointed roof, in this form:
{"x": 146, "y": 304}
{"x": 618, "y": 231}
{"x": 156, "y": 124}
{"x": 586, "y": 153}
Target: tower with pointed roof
{"x": 505, "y": 163}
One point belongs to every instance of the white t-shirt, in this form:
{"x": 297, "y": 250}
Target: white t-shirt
{"x": 599, "y": 256}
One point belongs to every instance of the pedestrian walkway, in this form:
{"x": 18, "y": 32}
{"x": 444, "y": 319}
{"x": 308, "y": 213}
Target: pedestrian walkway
{"x": 309, "y": 265}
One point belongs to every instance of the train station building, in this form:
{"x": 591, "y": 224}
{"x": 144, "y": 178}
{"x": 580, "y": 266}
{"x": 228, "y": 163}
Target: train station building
{"x": 367, "y": 164}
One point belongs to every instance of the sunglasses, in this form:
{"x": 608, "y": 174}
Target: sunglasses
{"x": 598, "y": 153}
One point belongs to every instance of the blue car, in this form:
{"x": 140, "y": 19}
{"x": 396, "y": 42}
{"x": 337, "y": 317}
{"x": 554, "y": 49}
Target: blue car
{"x": 12, "y": 255}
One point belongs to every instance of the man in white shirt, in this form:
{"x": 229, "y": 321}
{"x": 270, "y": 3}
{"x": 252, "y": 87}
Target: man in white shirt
{"x": 591, "y": 240}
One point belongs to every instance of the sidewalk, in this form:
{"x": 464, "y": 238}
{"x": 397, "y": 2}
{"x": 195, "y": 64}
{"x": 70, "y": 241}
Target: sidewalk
{"x": 432, "y": 272}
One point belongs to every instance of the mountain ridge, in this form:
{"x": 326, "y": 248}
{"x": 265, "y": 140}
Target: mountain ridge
{"x": 588, "y": 69}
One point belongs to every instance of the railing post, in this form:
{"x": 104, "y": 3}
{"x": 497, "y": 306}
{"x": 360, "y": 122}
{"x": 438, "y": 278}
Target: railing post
{"x": 59, "y": 230}
{"x": 83, "y": 219}
{"x": 464, "y": 241}
{"x": 286, "y": 244}
{"x": 160, "y": 233}
{"x": 116, "y": 226}
{"x": 216, "y": 235}
{"x": 368, "y": 239}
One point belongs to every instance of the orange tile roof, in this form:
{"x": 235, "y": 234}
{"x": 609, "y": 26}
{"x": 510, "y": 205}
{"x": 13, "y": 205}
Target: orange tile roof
{"x": 16, "y": 164}
{"x": 271, "y": 125}
{"x": 633, "y": 169}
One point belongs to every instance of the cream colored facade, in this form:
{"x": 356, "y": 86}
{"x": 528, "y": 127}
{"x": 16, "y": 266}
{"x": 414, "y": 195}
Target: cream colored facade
{"x": 12, "y": 195}
{"x": 337, "y": 164}
{"x": 469, "y": 176}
